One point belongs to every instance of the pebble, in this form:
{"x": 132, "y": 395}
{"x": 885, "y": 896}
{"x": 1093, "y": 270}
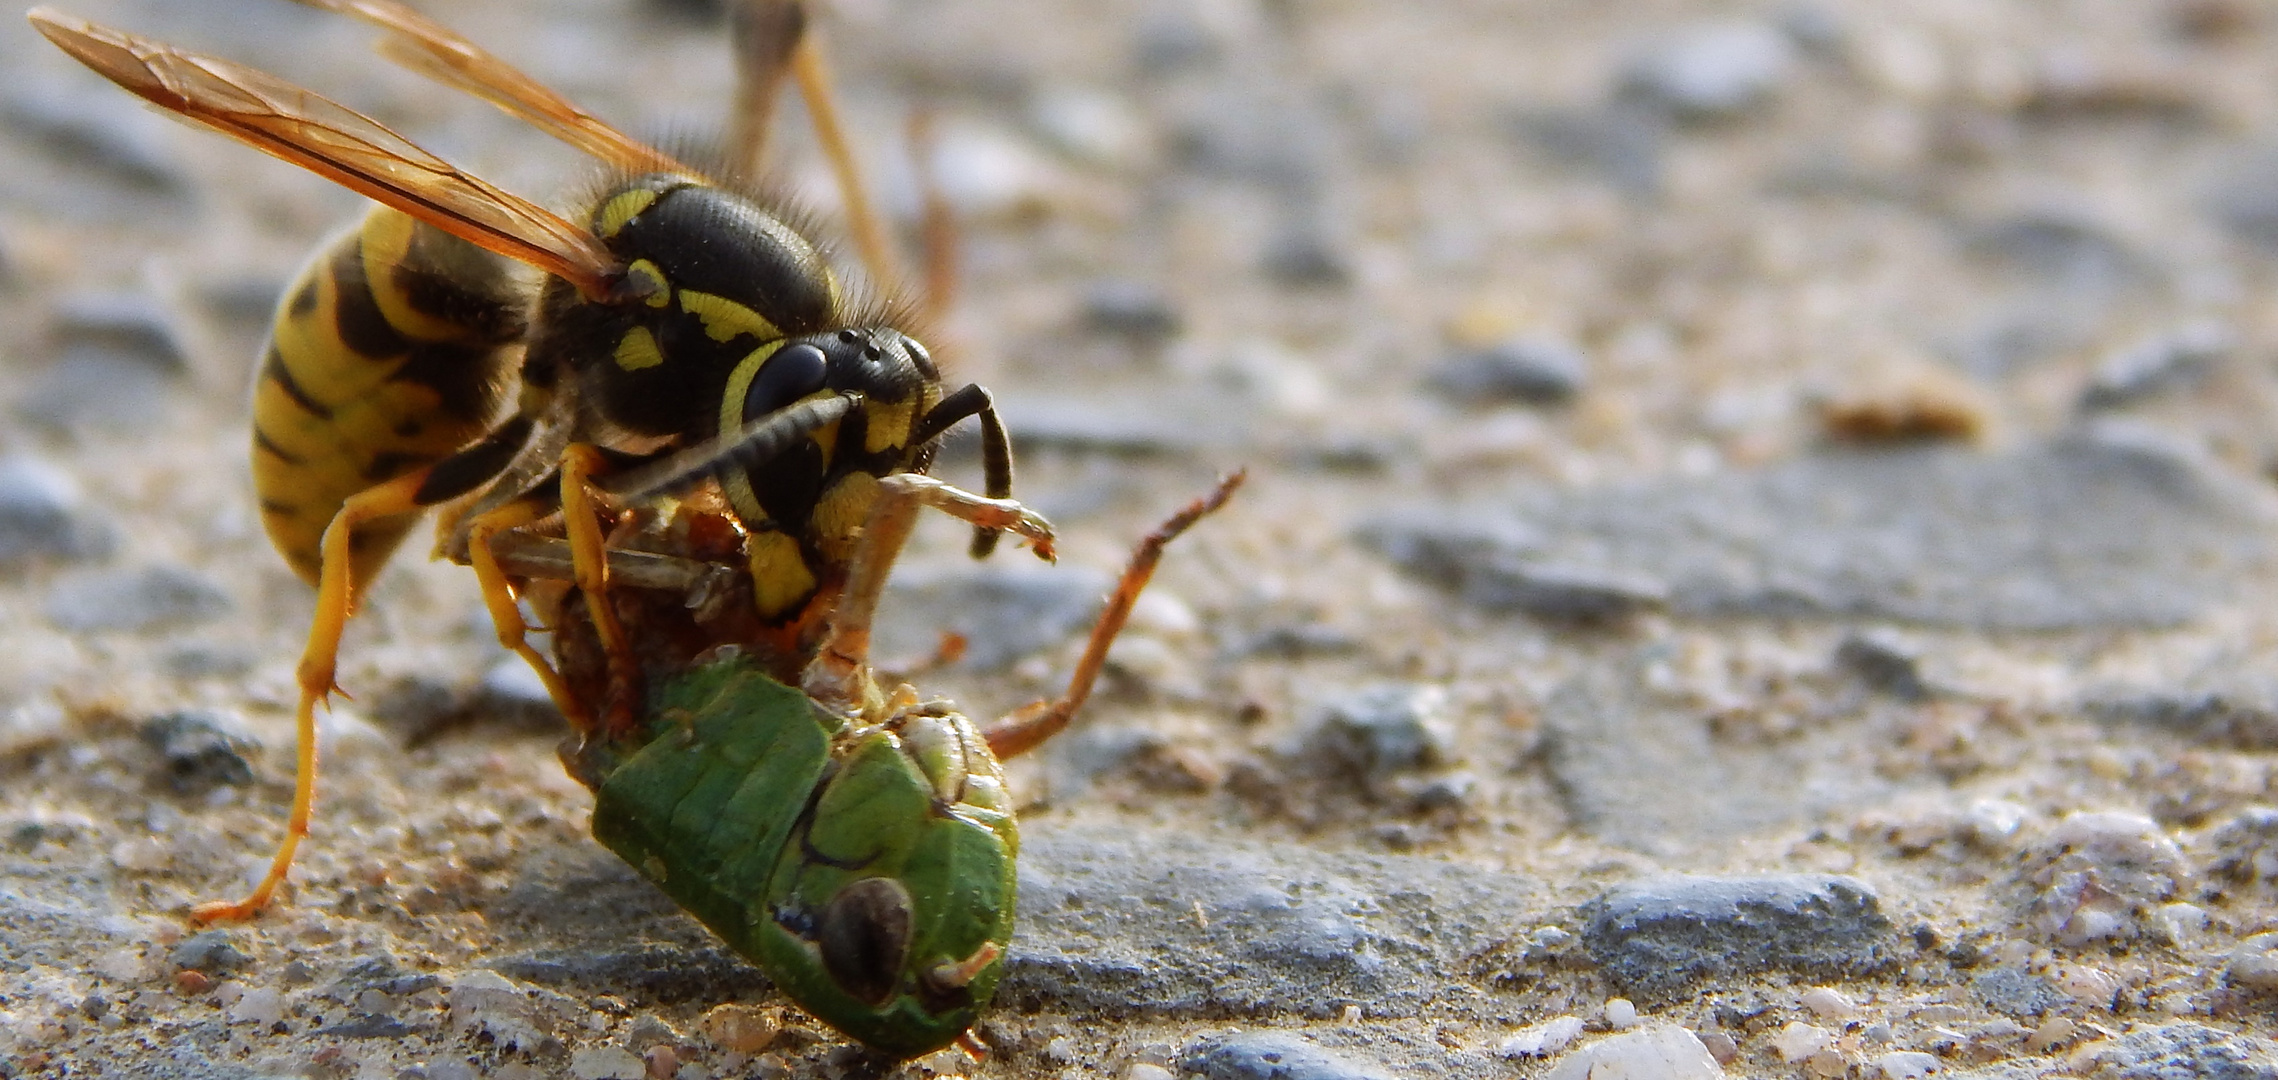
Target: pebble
{"x": 607, "y": 1063}
{"x": 209, "y": 951}
{"x": 130, "y": 324}
{"x": 2253, "y": 963}
{"x": 485, "y": 1002}
{"x": 1529, "y": 370}
{"x": 1550, "y": 1037}
{"x": 742, "y": 1029}
{"x": 1798, "y": 1041}
{"x": 259, "y": 1005}
{"x": 1906, "y": 1065}
{"x": 1090, "y": 126}
{"x": 42, "y": 515}
{"x": 143, "y": 599}
{"x": 2095, "y": 874}
{"x": 1128, "y": 308}
{"x": 202, "y": 748}
{"x": 2185, "y": 1049}
{"x": 1384, "y": 729}
{"x": 1273, "y": 1055}
{"x": 2065, "y": 250}
{"x": 1828, "y": 1003}
{"x": 1713, "y": 71}
{"x": 1625, "y": 145}
{"x": 2015, "y": 992}
{"x": 1884, "y": 661}
{"x": 1653, "y": 1052}
{"x": 2246, "y": 847}
{"x": 1620, "y": 1014}
{"x": 1303, "y": 254}
{"x": 1659, "y": 937}
{"x": 2162, "y": 362}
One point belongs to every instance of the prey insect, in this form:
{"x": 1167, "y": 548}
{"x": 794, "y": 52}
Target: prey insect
{"x": 678, "y": 333}
{"x": 854, "y": 840}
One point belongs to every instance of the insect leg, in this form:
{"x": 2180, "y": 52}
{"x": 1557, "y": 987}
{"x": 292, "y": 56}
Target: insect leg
{"x": 506, "y": 614}
{"x": 869, "y": 227}
{"x": 589, "y": 557}
{"x": 765, "y": 34}
{"x": 1029, "y": 726}
{"x": 839, "y": 675}
{"x": 335, "y": 602}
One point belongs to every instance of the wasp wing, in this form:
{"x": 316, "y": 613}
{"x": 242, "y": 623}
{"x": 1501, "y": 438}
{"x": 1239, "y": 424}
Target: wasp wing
{"x": 339, "y": 144}
{"x": 442, "y": 54}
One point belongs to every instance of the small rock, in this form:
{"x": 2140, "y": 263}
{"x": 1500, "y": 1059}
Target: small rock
{"x": 143, "y": 854}
{"x": 1711, "y": 72}
{"x": 41, "y": 515}
{"x": 149, "y": 598}
{"x": 1385, "y": 729}
{"x": 741, "y": 1029}
{"x": 2254, "y": 963}
{"x": 1542, "y": 1040}
{"x": 1885, "y": 662}
{"x": 487, "y": 1002}
{"x": 130, "y": 324}
{"x": 2246, "y": 847}
{"x": 258, "y": 1005}
{"x": 1273, "y": 1055}
{"x": 2016, "y": 993}
{"x": 1533, "y": 370}
{"x": 2063, "y": 249}
{"x": 2096, "y": 876}
{"x": 1828, "y": 1003}
{"x": 1303, "y": 254}
{"x": 1653, "y": 1052}
{"x": 1620, "y": 1014}
{"x": 1906, "y": 1065}
{"x": 1624, "y": 145}
{"x": 1091, "y": 126}
{"x": 1798, "y": 1041}
{"x": 607, "y": 1063}
{"x": 209, "y": 951}
{"x": 2161, "y": 362}
{"x": 203, "y": 748}
{"x": 989, "y": 174}
{"x": 1129, "y": 308}
{"x": 1659, "y": 937}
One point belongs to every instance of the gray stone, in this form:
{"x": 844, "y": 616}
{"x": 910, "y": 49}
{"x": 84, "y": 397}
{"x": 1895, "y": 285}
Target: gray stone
{"x": 210, "y": 951}
{"x": 2181, "y": 1050}
{"x": 130, "y": 324}
{"x": 2158, "y": 363}
{"x": 2015, "y": 992}
{"x": 1661, "y": 938}
{"x": 41, "y": 515}
{"x": 2244, "y": 202}
{"x": 2246, "y": 847}
{"x": 97, "y": 386}
{"x": 1638, "y": 769}
{"x": 144, "y": 599}
{"x": 2061, "y": 250}
{"x": 1152, "y": 924}
{"x": 95, "y": 130}
{"x": 1273, "y": 1055}
{"x": 1382, "y": 730}
{"x": 2239, "y": 710}
{"x": 1656, "y": 1051}
{"x": 1303, "y": 253}
{"x": 1884, "y": 662}
{"x": 202, "y": 749}
{"x": 1623, "y": 145}
{"x": 1713, "y": 71}
{"x": 2094, "y": 530}
{"x": 1129, "y": 308}
{"x": 1005, "y": 610}
{"x": 1533, "y": 370}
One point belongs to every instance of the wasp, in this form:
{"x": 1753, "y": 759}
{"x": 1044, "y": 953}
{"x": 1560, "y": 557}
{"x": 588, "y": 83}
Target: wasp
{"x": 678, "y": 332}
{"x": 853, "y": 839}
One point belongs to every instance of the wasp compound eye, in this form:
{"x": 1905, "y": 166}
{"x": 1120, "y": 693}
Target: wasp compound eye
{"x": 794, "y": 372}
{"x": 865, "y": 938}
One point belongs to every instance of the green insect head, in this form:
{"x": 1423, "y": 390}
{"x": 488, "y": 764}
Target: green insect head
{"x": 866, "y": 867}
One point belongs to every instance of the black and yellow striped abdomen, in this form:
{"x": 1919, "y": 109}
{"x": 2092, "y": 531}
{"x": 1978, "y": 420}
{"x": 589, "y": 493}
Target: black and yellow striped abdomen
{"x": 390, "y": 351}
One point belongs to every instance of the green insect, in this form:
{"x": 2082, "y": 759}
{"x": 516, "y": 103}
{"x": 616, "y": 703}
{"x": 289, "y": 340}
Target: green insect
{"x": 854, "y": 841}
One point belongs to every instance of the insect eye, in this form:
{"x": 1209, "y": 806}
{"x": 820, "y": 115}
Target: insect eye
{"x": 865, "y": 938}
{"x": 794, "y": 372}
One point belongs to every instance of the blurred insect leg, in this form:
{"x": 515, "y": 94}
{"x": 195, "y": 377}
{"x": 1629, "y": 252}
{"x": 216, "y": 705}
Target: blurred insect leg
{"x": 1028, "y": 727}
{"x": 840, "y": 672}
{"x": 813, "y": 73}
{"x": 589, "y": 557}
{"x": 335, "y": 601}
{"x": 939, "y": 224}
{"x": 765, "y": 33}
{"x": 506, "y": 614}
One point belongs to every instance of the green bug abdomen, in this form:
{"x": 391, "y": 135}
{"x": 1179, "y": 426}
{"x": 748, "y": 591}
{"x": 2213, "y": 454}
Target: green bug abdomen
{"x": 831, "y": 859}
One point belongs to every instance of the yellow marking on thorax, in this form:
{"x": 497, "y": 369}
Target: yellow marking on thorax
{"x": 655, "y": 291}
{"x": 621, "y": 208}
{"x": 780, "y": 576}
{"x": 724, "y": 318}
{"x": 637, "y": 350}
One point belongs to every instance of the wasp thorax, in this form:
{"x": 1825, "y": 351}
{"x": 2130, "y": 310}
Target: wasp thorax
{"x": 864, "y": 938}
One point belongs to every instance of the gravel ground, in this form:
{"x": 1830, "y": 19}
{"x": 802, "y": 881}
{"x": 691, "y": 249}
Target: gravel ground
{"x": 1757, "y": 558}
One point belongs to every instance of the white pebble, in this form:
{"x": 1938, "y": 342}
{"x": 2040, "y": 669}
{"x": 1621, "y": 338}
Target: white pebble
{"x": 1798, "y": 1041}
{"x": 2087, "y": 985}
{"x": 1652, "y": 1052}
{"x": 259, "y": 1005}
{"x": 1543, "y": 1039}
{"x": 143, "y": 854}
{"x": 1828, "y": 1003}
{"x": 607, "y": 1063}
{"x": 1620, "y": 1014}
{"x": 124, "y": 965}
{"x": 1906, "y": 1065}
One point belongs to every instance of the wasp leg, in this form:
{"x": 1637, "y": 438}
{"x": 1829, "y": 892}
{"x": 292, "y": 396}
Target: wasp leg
{"x": 869, "y": 227}
{"x": 589, "y": 558}
{"x": 839, "y": 675}
{"x": 336, "y": 594}
{"x": 506, "y": 615}
{"x": 1028, "y": 727}
{"x": 766, "y": 33}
